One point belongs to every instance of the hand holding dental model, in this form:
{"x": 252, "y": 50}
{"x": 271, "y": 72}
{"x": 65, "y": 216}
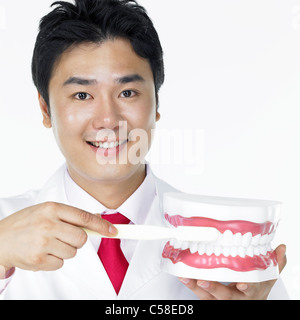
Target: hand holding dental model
{"x": 241, "y": 255}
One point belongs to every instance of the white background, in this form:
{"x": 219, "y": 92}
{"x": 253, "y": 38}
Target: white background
{"x": 232, "y": 72}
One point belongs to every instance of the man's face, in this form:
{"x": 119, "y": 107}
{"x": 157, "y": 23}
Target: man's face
{"x": 101, "y": 93}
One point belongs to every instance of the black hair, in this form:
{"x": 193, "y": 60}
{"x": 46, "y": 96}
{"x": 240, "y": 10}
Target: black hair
{"x": 94, "y": 21}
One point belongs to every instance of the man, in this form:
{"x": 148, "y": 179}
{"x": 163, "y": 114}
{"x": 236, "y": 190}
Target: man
{"x": 98, "y": 67}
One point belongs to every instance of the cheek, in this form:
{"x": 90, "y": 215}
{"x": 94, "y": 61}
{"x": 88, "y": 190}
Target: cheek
{"x": 68, "y": 123}
{"x": 144, "y": 116}
{"x": 141, "y": 125}
{"x": 142, "y": 121}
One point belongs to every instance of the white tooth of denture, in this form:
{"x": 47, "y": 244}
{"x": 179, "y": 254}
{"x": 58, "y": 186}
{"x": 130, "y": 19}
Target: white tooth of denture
{"x": 219, "y": 241}
{"x": 209, "y": 249}
{"x": 172, "y": 242}
{"x": 256, "y": 239}
{"x": 233, "y": 252}
{"x": 217, "y": 250}
{"x": 184, "y": 245}
{"x": 264, "y": 250}
{"x": 237, "y": 239}
{"x": 177, "y": 244}
{"x": 226, "y": 251}
{"x": 247, "y": 239}
{"x": 269, "y": 248}
{"x": 250, "y": 251}
{"x": 193, "y": 247}
{"x": 201, "y": 249}
{"x": 264, "y": 239}
{"x": 242, "y": 251}
{"x": 257, "y": 251}
{"x": 227, "y": 238}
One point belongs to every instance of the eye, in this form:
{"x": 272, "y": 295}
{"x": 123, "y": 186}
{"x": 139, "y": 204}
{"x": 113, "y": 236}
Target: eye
{"x": 82, "y": 96}
{"x": 128, "y": 94}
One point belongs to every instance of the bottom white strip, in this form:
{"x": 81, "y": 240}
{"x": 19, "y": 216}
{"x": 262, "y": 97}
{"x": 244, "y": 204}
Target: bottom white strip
{"x": 218, "y": 274}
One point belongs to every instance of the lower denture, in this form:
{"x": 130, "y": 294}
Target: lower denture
{"x": 258, "y": 262}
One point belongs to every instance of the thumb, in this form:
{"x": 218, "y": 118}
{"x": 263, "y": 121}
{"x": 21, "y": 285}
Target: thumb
{"x": 281, "y": 257}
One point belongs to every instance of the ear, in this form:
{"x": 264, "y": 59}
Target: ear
{"x": 45, "y": 112}
{"x": 157, "y": 116}
{"x": 157, "y": 107}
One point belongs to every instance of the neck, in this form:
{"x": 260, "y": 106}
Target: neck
{"x": 112, "y": 194}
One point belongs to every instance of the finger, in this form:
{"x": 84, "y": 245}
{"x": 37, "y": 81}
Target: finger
{"x": 72, "y": 235}
{"x": 53, "y": 263}
{"x": 200, "y": 293}
{"x": 50, "y": 263}
{"x": 220, "y": 291}
{"x": 62, "y": 250}
{"x": 87, "y": 220}
{"x": 281, "y": 257}
{"x": 249, "y": 289}
{"x": 256, "y": 291}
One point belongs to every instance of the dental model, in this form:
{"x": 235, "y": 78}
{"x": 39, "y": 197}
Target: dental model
{"x": 242, "y": 252}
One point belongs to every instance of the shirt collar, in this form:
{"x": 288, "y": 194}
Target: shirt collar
{"x": 135, "y": 208}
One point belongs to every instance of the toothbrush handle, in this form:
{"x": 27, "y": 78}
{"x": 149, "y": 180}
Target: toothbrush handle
{"x": 142, "y": 232}
{"x": 148, "y": 232}
{"x": 139, "y": 232}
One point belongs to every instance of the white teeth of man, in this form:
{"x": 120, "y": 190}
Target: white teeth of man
{"x": 107, "y": 145}
{"x": 230, "y": 244}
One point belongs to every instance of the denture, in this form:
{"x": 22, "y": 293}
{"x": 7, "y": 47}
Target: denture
{"x": 242, "y": 252}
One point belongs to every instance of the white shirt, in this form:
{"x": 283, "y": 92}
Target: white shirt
{"x": 145, "y": 280}
{"x": 135, "y": 208}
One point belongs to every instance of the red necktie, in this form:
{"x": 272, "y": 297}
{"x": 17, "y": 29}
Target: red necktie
{"x": 111, "y": 255}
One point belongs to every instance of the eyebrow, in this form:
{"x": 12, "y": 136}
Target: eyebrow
{"x": 130, "y": 78}
{"x": 79, "y": 81}
{"x": 88, "y": 82}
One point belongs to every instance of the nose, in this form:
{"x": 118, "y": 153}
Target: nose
{"x": 107, "y": 114}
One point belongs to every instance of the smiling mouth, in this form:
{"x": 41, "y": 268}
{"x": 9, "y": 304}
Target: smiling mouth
{"x": 107, "y": 145}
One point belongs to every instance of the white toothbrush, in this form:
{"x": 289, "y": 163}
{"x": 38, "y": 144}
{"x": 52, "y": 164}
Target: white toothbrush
{"x": 148, "y": 232}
